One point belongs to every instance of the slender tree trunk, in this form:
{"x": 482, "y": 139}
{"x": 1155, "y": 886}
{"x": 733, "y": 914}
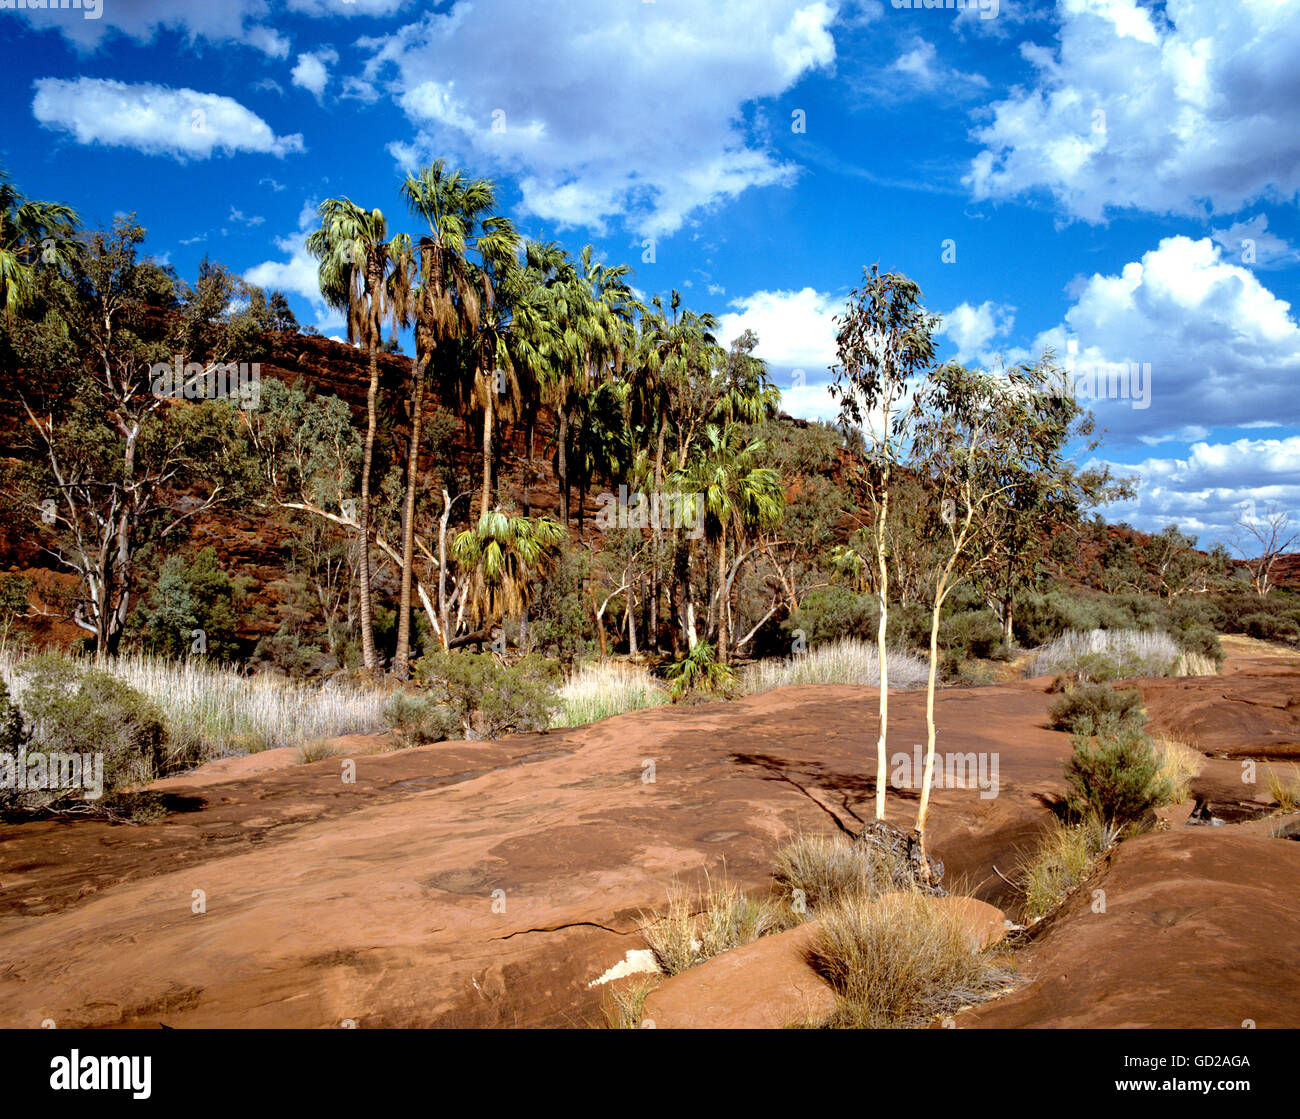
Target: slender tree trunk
{"x": 631, "y": 615}
{"x": 882, "y": 652}
{"x": 722, "y": 603}
{"x": 928, "y": 775}
{"x": 528, "y": 468}
{"x": 562, "y": 461}
{"x": 368, "y": 656}
{"x": 485, "y": 501}
{"x": 653, "y": 623}
{"x": 401, "y": 658}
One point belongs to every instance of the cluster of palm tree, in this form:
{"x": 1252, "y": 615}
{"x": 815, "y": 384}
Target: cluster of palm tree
{"x": 508, "y": 331}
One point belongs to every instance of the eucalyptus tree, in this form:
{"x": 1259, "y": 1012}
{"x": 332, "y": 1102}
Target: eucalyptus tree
{"x": 977, "y": 434}
{"x": 105, "y": 452}
{"x": 32, "y": 233}
{"x": 1044, "y": 507}
{"x": 359, "y": 273}
{"x": 885, "y": 338}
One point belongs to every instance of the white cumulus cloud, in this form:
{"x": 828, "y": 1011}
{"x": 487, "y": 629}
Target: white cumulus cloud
{"x": 1184, "y": 109}
{"x": 155, "y": 119}
{"x": 312, "y": 71}
{"x": 634, "y": 112}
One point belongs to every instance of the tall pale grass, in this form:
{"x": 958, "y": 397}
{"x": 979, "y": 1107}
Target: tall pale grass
{"x": 1116, "y": 654}
{"x": 847, "y": 661}
{"x": 213, "y": 712}
{"x": 596, "y": 691}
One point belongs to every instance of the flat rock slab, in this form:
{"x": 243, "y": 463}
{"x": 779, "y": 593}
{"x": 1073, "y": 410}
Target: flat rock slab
{"x": 764, "y": 985}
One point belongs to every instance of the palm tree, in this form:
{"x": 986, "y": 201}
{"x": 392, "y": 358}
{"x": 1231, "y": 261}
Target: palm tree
{"x": 503, "y": 556}
{"x": 675, "y": 361}
{"x": 357, "y": 275}
{"x": 502, "y": 352}
{"x": 31, "y": 233}
{"x": 443, "y": 305}
{"x": 591, "y": 309}
{"x": 739, "y": 499}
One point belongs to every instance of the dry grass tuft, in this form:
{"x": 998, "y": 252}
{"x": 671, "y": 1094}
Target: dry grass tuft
{"x": 1286, "y": 795}
{"x": 900, "y": 961}
{"x": 847, "y": 661}
{"x": 1064, "y": 858}
{"x": 625, "y": 1003}
{"x": 820, "y": 869}
{"x": 715, "y": 920}
{"x": 1179, "y": 763}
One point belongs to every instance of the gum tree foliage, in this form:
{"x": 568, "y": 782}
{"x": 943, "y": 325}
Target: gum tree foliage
{"x": 192, "y": 608}
{"x": 977, "y": 436}
{"x": 885, "y": 338}
{"x": 1044, "y": 504}
{"x": 105, "y": 465}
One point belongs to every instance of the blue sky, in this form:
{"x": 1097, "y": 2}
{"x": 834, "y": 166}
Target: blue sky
{"x": 1113, "y": 178}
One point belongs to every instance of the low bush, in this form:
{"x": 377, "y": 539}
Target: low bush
{"x": 1116, "y": 774}
{"x": 973, "y": 634}
{"x": 488, "y": 698}
{"x": 699, "y": 671}
{"x": 419, "y": 718}
{"x": 86, "y": 711}
{"x": 1271, "y": 627}
{"x": 1084, "y": 706}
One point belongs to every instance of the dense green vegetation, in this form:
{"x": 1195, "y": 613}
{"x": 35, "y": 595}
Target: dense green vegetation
{"x": 684, "y": 524}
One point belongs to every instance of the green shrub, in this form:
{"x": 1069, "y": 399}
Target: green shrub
{"x": 192, "y": 610}
{"x": 1201, "y": 640}
{"x": 973, "y": 634}
{"x": 834, "y": 613}
{"x": 699, "y": 671}
{"x": 488, "y": 697}
{"x": 1116, "y": 773}
{"x": 1094, "y": 705}
{"x": 82, "y": 711}
{"x": 1271, "y": 627}
{"x": 421, "y": 718}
